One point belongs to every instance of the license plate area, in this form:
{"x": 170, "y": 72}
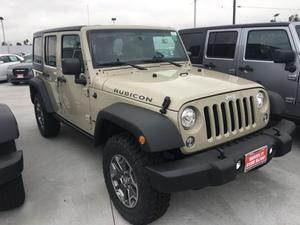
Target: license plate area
{"x": 256, "y": 158}
{"x": 20, "y": 75}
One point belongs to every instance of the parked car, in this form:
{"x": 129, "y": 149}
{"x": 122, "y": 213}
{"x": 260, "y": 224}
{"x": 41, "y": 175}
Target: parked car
{"x": 267, "y": 53}
{"x": 21, "y": 72}
{"x": 12, "y": 192}
{"x": 7, "y": 60}
{"x": 166, "y": 126}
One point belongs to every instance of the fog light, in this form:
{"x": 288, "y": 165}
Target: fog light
{"x": 238, "y": 165}
{"x": 271, "y": 151}
{"x": 266, "y": 118}
{"x": 190, "y": 141}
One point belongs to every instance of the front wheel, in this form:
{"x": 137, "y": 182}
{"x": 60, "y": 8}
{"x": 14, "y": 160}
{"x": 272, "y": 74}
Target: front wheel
{"x": 126, "y": 178}
{"x": 47, "y": 124}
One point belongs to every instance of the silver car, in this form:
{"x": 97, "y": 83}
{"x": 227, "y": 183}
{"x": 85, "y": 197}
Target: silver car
{"x": 7, "y": 60}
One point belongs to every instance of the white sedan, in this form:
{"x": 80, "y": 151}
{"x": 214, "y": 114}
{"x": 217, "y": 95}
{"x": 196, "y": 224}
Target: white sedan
{"x": 7, "y": 60}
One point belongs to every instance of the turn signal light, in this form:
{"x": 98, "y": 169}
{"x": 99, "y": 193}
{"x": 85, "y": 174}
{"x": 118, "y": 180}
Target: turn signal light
{"x": 142, "y": 140}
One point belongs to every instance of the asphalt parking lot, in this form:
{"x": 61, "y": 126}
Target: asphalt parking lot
{"x": 64, "y": 183}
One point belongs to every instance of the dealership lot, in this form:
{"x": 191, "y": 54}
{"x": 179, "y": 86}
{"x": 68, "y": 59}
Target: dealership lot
{"x": 64, "y": 183}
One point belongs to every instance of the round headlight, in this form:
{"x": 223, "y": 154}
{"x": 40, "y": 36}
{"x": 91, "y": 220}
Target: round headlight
{"x": 260, "y": 98}
{"x": 188, "y": 118}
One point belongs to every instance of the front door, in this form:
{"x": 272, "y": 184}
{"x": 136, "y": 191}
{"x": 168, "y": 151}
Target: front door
{"x": 74, "y": 97}
{"x": 256, "y": 62}
{"x": 221, "y": 50}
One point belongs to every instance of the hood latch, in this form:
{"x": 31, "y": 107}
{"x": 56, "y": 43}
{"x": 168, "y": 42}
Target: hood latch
{"x": 165, "y": 105}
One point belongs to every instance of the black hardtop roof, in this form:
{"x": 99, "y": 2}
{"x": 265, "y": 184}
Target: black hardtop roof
{"x": 201, "y": 29}
{"x": 60, "y": 29}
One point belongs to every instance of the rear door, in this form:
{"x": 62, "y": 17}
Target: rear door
{"x": 256, "y": 62}
{"x": 221, "y": 50}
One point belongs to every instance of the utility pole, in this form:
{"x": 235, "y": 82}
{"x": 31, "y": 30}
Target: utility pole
{"x": 234, "y": 11}
{"x": 88, "y": 13}
{"x": 1, "y": 19}
{"x": 195, "y": 13}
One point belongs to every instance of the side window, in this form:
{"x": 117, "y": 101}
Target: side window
{"x": 71, "y": 48}
{"x": 222, "y": 44}
{"x": 38, "y": 50}
{"x": 13, "y": 58}
{"x": 262, "y": 43}
{"x": 193, "y": 44}
{"x": 4, "y": 59}
{"x": 50, "y": 51}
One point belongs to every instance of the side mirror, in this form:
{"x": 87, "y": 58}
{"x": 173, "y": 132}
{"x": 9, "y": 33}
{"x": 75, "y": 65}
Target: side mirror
{"x": 1, "y": 62}
{"x": 189, "y": 53}
{"x": 71, "y": 66}
{"x": 284, "y": 56}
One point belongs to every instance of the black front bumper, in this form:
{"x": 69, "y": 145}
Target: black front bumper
{"x": 11, "y": 166}
{"x": 218, "y": 166}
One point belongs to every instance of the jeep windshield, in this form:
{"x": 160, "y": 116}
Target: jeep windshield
{"x": 110, "y": 47}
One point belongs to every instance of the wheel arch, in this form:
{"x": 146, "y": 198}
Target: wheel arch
{"x": 37, "y": 86}
{"x": 159, "y": 132}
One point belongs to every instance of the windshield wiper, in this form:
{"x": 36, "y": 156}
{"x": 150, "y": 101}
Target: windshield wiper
{"x": 121, "y": 63}
{"x": 161, "y": 59}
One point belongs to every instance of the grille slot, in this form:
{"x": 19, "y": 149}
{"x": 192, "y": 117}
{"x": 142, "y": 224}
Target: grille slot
{"x": 228, "y": 117}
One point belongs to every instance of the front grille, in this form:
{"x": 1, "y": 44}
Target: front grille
{"x": 229, "y": 117}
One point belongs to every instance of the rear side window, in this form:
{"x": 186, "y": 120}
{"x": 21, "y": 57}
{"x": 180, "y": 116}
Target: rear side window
{"x": 50, "y": 51}
{"x": 222, "y": 44}
{"x": 38, "y": 50}
{"x": 4, "y": 59}
{"x": 261, "y": 44}
{"x": 71, "y": 48}
{"x": 194, "y": 44}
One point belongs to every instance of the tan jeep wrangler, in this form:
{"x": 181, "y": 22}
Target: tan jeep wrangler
{"x": 166, "y": 126}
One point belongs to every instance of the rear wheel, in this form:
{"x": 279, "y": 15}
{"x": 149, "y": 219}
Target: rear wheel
{"x": 126, "y": 178}
{"x": 48, "y": 125}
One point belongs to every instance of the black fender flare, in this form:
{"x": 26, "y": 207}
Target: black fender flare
{"x": 160, "y": 133}
{"x": 277, "y": 103}
{"x": 37, "y": 85}
{"x": 9, "y": 128}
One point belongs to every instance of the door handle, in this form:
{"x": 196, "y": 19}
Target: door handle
{"x": 210, "y": 66}
{"x": 246, "y": 69}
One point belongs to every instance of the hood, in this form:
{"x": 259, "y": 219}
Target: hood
{"x": 182, "y": 85}
{"x": 21, "y": 66}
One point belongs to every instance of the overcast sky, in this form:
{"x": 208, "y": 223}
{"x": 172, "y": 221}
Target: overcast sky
{"x": 22, "y": 18}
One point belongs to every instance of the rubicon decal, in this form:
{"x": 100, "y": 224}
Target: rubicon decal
{"x": 133, "y": 95}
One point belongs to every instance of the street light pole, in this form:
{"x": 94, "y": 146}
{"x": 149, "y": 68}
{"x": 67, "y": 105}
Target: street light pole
{"x": 1, "y": 19}
{"x": 234, "y": 11}
{"x": 195, "y": 13}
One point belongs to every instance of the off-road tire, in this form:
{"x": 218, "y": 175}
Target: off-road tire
{"x": 51, "y": 126}
{"x": 12, "y": 194}
{"x": 151, "y": 203}
{"x": 7, "y": 147}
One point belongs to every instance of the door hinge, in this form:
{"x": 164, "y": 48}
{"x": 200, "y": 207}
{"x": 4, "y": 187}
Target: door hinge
{"x": 87, "y": 92}
{"x": 290, "y": 100}
{"x": 293, "y": 77}
{"x": 88, "y": 118}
